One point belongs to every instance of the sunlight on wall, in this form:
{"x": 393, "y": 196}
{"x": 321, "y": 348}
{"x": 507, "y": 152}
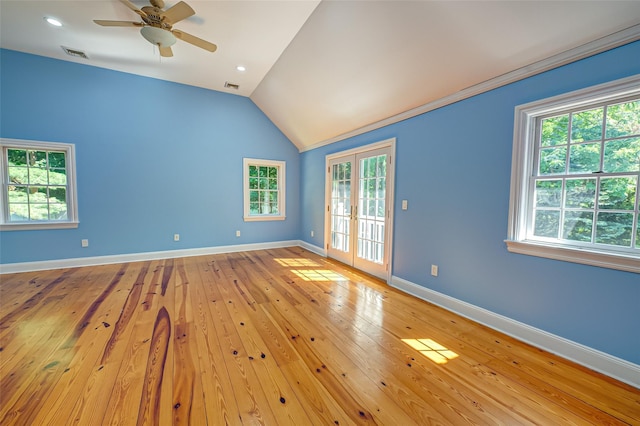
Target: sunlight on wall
{"x": 318, "y": 275}
{"x": 296, "y": 263}
{"x": 432, "y": 350}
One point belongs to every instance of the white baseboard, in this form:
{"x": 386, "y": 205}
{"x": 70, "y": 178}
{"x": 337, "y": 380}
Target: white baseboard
{"x": 312, "y": 248}
{"x": 610, "y": 365}
{"x": 137, "y": 257}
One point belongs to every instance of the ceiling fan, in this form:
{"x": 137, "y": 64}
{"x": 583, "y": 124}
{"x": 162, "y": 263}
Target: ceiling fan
{"x": 157, "y": 25}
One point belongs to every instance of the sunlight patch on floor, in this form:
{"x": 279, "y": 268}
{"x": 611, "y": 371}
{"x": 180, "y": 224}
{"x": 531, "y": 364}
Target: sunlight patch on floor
{"x": 432, "y": 350}
{"x": 318, "y": 275}
{"x": 296, "y": 262}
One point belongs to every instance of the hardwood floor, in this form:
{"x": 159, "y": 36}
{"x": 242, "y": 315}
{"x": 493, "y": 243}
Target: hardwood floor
{"x": 276, "y": 337}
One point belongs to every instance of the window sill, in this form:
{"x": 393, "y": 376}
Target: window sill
{"x": 262, "y": 218}
{"x": 620, "y": 261}
{"x": 30, "y": 226}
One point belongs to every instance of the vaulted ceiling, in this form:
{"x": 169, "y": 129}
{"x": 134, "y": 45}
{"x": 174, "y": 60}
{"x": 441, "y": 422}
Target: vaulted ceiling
{"x": 321, "y": 70}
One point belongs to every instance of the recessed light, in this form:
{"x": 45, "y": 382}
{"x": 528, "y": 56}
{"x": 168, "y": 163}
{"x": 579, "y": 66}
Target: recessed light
{"x": 241, "y": 68}
{"x": 53, "y": 21}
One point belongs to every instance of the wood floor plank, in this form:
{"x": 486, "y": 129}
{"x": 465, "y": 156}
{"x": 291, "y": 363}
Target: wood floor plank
{"x": 280, "y": 336}
{"x": 14, "y": 293}
{"x": 252, "y": 402}
{"x": 280, "y": 395}
{"x": 400, "y": 366}
{"x": 188, "y": 401}
{"x": 395, "y": 370}
{"x": 318, "y": 400}
{"x": 157, "y": 404}
{"x": 272, "y": 336}
{"x": 337, "y": 369}
{"x": 349, "y": 401}
{"x": 20, "y": 314}
{"x": 130, "y": 342}
{"x": 50, "y": 365}
{"x": 90, "y": 405}
{"x": 220, "y": 410}
{"x": 88, "y": 366}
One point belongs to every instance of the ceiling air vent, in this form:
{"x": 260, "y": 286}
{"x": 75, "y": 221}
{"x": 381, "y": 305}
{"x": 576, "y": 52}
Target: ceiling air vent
{"x": 74, "y": 52}
{"x": 231, "y": 85}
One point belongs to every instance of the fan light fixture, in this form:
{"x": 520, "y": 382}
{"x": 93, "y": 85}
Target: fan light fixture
{"x": 157, "y": 25}
{"x": 158, "y": 36}
{"x": 53, "y": 21}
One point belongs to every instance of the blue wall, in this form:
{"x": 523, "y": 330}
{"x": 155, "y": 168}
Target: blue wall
{"x": 453, "y": 165}
{"x": 153, "y": 158}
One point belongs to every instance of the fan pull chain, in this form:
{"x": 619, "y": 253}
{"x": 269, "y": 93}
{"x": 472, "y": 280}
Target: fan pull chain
{"x": 159, "y": 55}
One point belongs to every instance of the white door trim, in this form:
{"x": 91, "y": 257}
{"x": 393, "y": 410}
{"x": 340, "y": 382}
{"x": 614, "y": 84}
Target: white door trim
{"x": 387, "y": 143}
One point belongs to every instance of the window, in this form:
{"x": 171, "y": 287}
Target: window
{"x": 38, "y": 185}
{"x": 264, "y": 195}
{"x": 576, "y": 175}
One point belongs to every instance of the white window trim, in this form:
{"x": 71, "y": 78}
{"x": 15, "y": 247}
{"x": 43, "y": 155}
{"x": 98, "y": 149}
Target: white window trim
{"x": 522, "y": 167}
{"x": 281, "y": 187}
{"x": 72, "y": 204}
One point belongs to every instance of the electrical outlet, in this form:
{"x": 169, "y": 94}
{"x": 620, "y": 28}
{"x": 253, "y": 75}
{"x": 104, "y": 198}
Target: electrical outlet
{"x": 85, "y": 243}
{"x": 434, "y": 270}
{"x": 237, "y": 233}
{"x": 176, "y": 237}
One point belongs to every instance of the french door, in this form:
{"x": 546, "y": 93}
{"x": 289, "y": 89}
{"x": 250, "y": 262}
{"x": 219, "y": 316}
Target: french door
{"x": 359, "y": 209}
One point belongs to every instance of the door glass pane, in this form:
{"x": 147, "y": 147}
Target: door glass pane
{"x": 371, "y": 211}
{"x": 340, "y": 206}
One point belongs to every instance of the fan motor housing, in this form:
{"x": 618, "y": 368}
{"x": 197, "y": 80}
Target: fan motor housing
{"x": 154, "y": 17}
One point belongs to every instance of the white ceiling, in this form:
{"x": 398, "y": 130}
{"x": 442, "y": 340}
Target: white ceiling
{"x": 320, "y": 70}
